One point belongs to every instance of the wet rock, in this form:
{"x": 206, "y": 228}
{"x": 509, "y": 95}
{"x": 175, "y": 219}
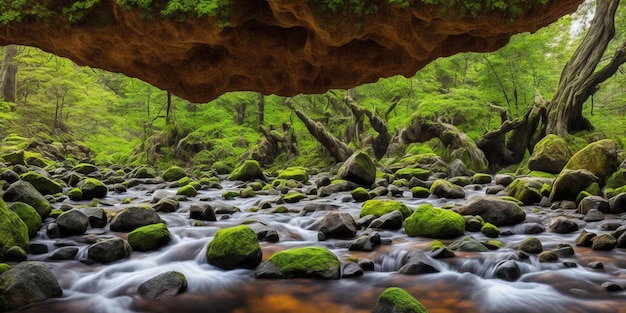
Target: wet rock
{"x": 360, "y": 194}
{"x": 563, "y": 225}
{"x": 468, "y": 244}
{"x": 473, "y": 223}
{"x": 338, "y": 186}
{"x": 547, "y": 256}
{"x": 593, "y": 203}
{"x": 395, "y": 191}
{"x": 366, "y": 265}
{"x": 271, "y": 236}
{"x": 322, "y": 181}
{"x": 495, "y": 211}
{"x": 445, "y": 189}
{"x": 617, "y": 204}
{"x": 527, "y": 189}
{"x": 593, "y": 215}
{"x": 44, "y": 184}
{"x": 362, "y": 243}
{"x": 530, "y": 228}
{"x": 164, "y": 286}
{"x": 379, "y": 191}
{"x": 564, "y": 250}
{"x": 134, "y": 217}
{"x": 72, "y": 222}
{"x": 109, "y": 250}
{"x": 351, "y": 269}
{"x": 25, "y": 283}
{"x": 166, "y": 205}
{"x": 366, "y": 220}
{"x": 306, "y": 262}
{"x": 52, "y": 230}
{"x": 338, "y": 225}
{"x": 420, "y": 192}
{"x": 504, "y": 179}
{"x": 63, "y": 253}
{"x": 25, "y": 192}
{"x": 391, "y": 220}
{"x": 431, "y": 222}
{"x": 418, "y": 263}
{"x": 9, "y": 176}
{"x": 621, "y": 241}
{"x": 531, "y": 245}
{"x": 603, "y": 242}
{"x": 570, "y": 183}
{"x": 93, "y": 188}
{"x": 84, "y": 168}
{"x": 97, "y": 217}
{"x": 442, "y": 253}
{"x": 595, "y": 265}
{"x": 507, "y": 270}
{"x": 611, "y": 225}
{"x": 358, "y": 168}
{"x": 395, "y": 299}
{"x": 203, "y": 212}
{"x": 611, "y": 286}
{"x": 234, "y": 247}
{"x": 379, "y": 208}
{"x": 585, "y": 239}
{"x": 490, "y": 230}
{"x": 149, "y": 237}
{"x": 492, "y": 190}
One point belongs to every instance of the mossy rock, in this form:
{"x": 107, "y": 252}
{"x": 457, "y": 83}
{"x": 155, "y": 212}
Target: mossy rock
{"x": 617, "y": 179}
{"x": 436, "y": 244}
{"x": 428, "y": 221}
{"x": 221, "y": 168}
{"x": 234, "y": 247}
{"x": 549, "y": 155}
{"x": 247, "y": 192}
{"x": 398, "y": 300}
{"x": 149, "y": 237}
{"x": 420, "y": 192}
{"x": 84, "y": 168}
{"x": 293, "y": 197}
{"x": 360, "y": 194}
{"x": 541, "y": 174}
{"x": 187, "y": 191}
{"x": 14, "y": 157}
{"x": 490, "y": 230}
{"x": 25, "y": 192}
{"x": 358, "y": 168}
{"x": 43, "y": 184}
{"x": 600, "y": 158}
{"x": 280, "y": 209}
{"x": 184, "y": 181}
{"x": 93, "y": 188}
{"x": 445, "y": 189}
{"x": 4, "y": 267}
{"x": 145, "y": 172}
{"x": 307, "y": 262}
{"x": 75, "y": 194}
{"x": 298, "y": 173}
{"x": 29, "y": 216}
{"x": 14, "y": 231}
{"x": 380, "y": 207}
{"x": 481, "y": 178}
{"x": 408, "y": 173}
{"x": 173, "y": 173}
{"x": 230, "y": 194}
{"x": 527, "y": 189}
{"x": 249, "y": 170}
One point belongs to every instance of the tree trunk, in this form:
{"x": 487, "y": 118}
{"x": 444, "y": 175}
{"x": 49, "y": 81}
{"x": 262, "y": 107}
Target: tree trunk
{"x": 380, "y": 142}
{"x": 169, "y": 108}
{"x": 8, "y": 74}
{"x": 339, "y": 150}
{"x": 579, "y": 79}
{"x": 261, "y": 111}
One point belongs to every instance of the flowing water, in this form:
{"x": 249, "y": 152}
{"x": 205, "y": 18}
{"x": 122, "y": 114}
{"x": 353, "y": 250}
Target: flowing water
{"x": 465, "y": 283}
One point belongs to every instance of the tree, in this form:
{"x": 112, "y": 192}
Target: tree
{"x": 8, "y": 74}
{"x": 579, "y": 78}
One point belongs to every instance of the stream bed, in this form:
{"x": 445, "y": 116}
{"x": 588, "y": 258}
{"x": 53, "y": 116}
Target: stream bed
{"x": 465, "y": 283}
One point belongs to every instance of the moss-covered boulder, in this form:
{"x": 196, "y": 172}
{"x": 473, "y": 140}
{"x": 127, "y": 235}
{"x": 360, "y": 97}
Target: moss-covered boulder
{"x": 599, "y": 158}
{"x": 408, "y": 173}
{"x": 93, "y": 188}
{"x": 307, "y": 262}
{"x": 298, "y": 173}
{"x": 496, "y": 211}
{"x": 145, "y": 172}
{"x": 249, "y": 170}
{"x": 360, "y": 194}
{"x": 149, "y": 237}
{"x": 549, "y": 155}
{"x": 617, "y": 179}
{"x": 397, "y": 300}
{"x": 43, "y": 184}
{"x": 490, "y": 230}
{"x": 358, "y": 168}
{"x": 445, "y": 189}
{"x": 527, "y": 189}
{"x": 481, "y": 178}
{"x": 234, "y": 247}
{"x": 13, "y": 231}
{"x": 293, "y": 197}
{"x": 75, "y": 194}
{"x": 187, "y": 191}
{"x": 29, "y": 216}
{"x": 380, "y": 207}
{"x": 221, "y": 168}
{"x": 14, "y": 157}
{"x": 25, "y": 283}
{"x": 23, "y": 191}
{"x": 420, "y": 192}
{"x": 570, "y": 183}
{"x": 173, "y": 173}
{"x": 84, "y": 168}
{"x": 428, "y": 221}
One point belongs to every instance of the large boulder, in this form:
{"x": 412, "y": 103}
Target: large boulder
{"x": 338, "y": 225}
{"x": 358, "y": 168}
{"x": 378, "y": 207}
{"x": 495, "y": 211}
{"x": 445, "y": 189}
{"x": 164, "y": 286}
{"x": 549, "y": 155}
{"x": 249, "y": 170}
{"x": 72, "y": 222}
{"x": 527, "y": 189}
{"x": 428, "y": 221}
{"x": 25, "y": 283}
{"x": 13, "y": 231}
{"x": 599, "y": 158}
{"x": 173, "y": 173}
{"x": 43, "y": 184}
{"x": 570, "y": 183}
{"x": 234, "y": 247}
{"x": 417, "y": 263}
{"x": 93, "y": 188}
{"x": 149, "y": 237}
{"x": 298, "y": 173}
{"x": 109, "y": 250}
{"x": 307, "y": 262}
{"x": 397, "y": 300}
{"x": 23, "y": 191}
{"x": 134, "y": 217}
{"x": 29, "y": 215}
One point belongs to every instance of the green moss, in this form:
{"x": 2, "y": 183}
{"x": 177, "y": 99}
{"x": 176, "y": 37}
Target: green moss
{"x": 401, "y": 301}
{"x": 145, "y": 172}
{"x": 490, "y": 230}
{"x": 297, "y": 173}
{"x": 280, "y": 209}
{"x": 494, "y": 243}
{"x": 93, "y": 188}
{"x": 403, "y": 182}
{"x": 221, "y": 168}
{"x": 234, "y": 247}
{"x": 379, "y": 208}
{"x": 149, "y": 237}
{"x": 55, "y": 213}
{"x": 305, "y": 259}
{"x": 84, "y": 168}
{"x": 546, "y": 189}
{"x": 249, "y": 170}
{"x": 428, "y": 221}
{"x": 593, "y": 189}
{"x": 408, "y": 173}
{"x": 581, "y": 195}
{"x": 436, "y": 244}
{"x": 188, "y": 191}
{"x": 541, "y": 174}
{"x": 14, "y": 230}
{"x": 4, "y": 267}
{"x": 360, "y": 194}
{"x": 29, "y": 216}
{"x": 617, "y": 179}
{"x": 230, "y": 194}
{"x": 598, "y": 157}
{"x": 184, "y": 181}
{"x": 75, "y": 194}
{"x": 481, "y": 178}
{"x": 293, "y": 197}
{"x": 43, "y": 184}
{"x": 173, "y": 173}
{"x": 420, "y": 192}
